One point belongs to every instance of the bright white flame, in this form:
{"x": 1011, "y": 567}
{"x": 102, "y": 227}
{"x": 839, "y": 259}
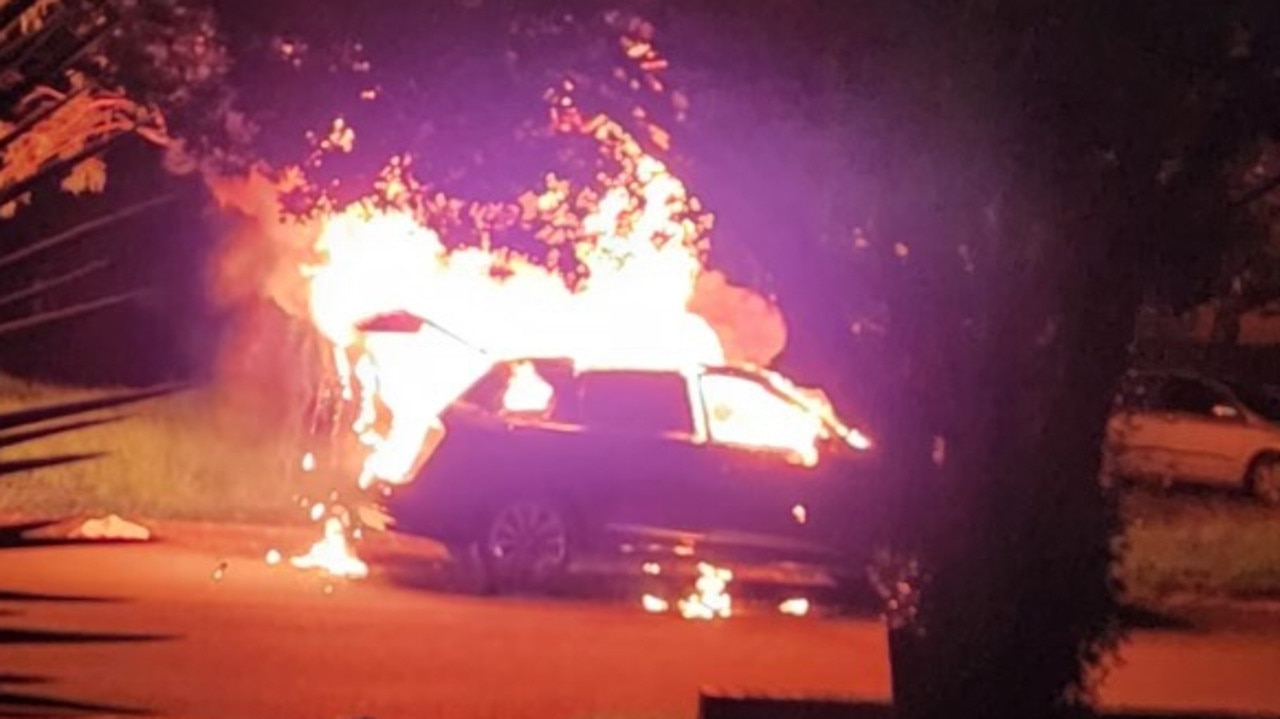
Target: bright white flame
{"x": 651, "y": 568}
{"x": 744, "y": 412}
{"x": 317, "y": 511}
{"x": 654, "y": 604}
{"x": 800, "y": 513}
{"x": 858, "y": 440}
{"x": 796, "y": 607}
{"x": 526, "y": 390}
{"x": 333, "y": 554}
{"x": 308, "y": 462}
{"x": 273, "y": 557}
{"x": 711, "y": 598}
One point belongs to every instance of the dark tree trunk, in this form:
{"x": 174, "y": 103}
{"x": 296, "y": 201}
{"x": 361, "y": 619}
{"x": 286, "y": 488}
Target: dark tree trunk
{"x": 1226, "y": 322}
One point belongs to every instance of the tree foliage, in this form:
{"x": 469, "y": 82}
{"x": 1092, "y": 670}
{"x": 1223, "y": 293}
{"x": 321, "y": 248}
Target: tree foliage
{"x": 76, "y": 76}
{"x": 1045, "y": 168}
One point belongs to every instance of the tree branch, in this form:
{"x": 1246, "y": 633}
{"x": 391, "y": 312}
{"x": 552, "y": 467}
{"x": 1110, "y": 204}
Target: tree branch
{"x": 13, "y": 13}
{"x": 78, "y": 230}
{"x": 40, "y": 286}
{"x": 68, "y": 312}
{"x": 36, "y": 117}
{"x": 1257, "y": 192}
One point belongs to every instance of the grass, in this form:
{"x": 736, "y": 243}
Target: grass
{"x": 1200, "y": 543}
{"x": 185, "y": 456}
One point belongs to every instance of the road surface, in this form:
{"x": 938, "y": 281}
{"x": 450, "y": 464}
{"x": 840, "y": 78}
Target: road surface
{"x": 201, "y": 631}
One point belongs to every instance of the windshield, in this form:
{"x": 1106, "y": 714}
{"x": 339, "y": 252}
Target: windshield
{"x": 817, "y": 402}
{"x": 1260, "y": 399}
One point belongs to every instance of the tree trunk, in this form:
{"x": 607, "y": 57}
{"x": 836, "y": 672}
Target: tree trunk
{"x": 1226, "y": 322}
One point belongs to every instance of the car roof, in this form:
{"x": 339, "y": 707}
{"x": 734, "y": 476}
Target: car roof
{"x": 728, "y": 369}
{"x": 1225, "y": 380}
{"x": 1173, "y": 373}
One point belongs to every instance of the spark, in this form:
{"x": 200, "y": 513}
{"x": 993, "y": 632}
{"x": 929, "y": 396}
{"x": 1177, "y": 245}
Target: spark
{"x": 795, "y": 607}
{"x": 654, "y": 604}
{"x": 800, "y": 513}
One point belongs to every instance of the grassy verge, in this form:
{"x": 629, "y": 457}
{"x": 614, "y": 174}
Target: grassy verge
{"x": 181, "y": 457}
{"x": 1200, "y": 543}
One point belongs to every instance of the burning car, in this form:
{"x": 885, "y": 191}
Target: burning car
{"x": 545, "y": 462}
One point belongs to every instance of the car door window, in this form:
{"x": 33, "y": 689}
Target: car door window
{"x": 743, "y": 412}
{"x": 1262, "y": 400}
{"x": 1188, "y": 396}
{"x": 647, "y": 403}
{"x": 1138, "y": 393}
{"x": 524, "y": 391}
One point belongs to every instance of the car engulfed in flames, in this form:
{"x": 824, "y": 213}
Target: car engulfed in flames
{"x": 617, "y": 300}
{"x": 544, "y": 464}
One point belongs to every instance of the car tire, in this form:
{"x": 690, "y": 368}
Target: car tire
{"x": 1263, "y": 479}
{"x": 526, "y": 546}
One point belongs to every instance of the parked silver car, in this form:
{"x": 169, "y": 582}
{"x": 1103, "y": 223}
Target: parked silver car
{"x": 1174, "y": 426}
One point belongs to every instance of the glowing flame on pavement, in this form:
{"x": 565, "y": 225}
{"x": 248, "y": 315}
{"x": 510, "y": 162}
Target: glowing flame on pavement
{"x": 333, "y": 554}
{"x": 654, "y": 604}
{"x": 795, "y": 607}
{"x": 710, "y": 599}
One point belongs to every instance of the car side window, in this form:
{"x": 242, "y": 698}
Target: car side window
{"x": 519, "y": 390}
{"x": 1136, "y": 392}
{"x": 1189, "y": 396}
{"x": 652, "y": 403}
{"x": 486, "y": 394}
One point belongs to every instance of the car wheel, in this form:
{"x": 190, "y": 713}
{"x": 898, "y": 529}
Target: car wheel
{"x": 526, "y": 546}
{"x": 1263, "y": 481}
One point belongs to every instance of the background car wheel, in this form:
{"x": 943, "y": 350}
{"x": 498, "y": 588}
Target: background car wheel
{"x": 1263, "y": 481}
{"x": 526, "y": 546}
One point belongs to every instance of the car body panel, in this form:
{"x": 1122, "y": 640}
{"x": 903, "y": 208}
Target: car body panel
{"x": 1187, "y": 427}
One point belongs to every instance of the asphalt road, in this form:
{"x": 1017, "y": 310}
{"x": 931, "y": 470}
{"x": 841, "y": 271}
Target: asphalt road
{"x": 263, "y": 641}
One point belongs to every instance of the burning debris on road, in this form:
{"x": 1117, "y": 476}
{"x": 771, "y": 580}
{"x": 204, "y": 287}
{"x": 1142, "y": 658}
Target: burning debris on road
{"x": 110, "y": 527}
